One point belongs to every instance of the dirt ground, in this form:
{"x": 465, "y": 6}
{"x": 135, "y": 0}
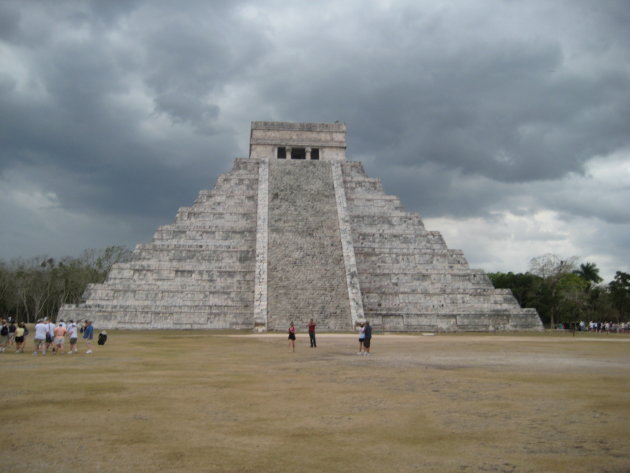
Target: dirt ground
{"x": 176, "y": 401}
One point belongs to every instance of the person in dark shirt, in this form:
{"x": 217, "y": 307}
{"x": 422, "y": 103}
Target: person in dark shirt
{"x": 311, "y": 333}
{"x": 368, "y": 338}
{"x": 88, "y": 335}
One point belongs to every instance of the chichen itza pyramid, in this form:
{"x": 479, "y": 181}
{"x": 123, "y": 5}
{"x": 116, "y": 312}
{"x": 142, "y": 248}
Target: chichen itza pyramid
{"x": 297, "y": 232}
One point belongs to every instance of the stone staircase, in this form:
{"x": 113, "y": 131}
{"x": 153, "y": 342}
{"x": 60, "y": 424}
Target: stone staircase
{"x": 409, "y": 279}
{"x": 306, "y": 275}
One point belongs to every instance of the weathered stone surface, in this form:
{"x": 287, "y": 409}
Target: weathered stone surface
{"x": 196, "y": 273}
{"x": 410, "y": 280}
{"x": 306, "y": 276}
{"x": 281, "y": 239}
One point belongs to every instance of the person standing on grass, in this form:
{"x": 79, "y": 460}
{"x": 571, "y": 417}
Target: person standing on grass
{"x": 4, "y": 335}
{"x": 292, "y": 336}
{"x": 361, "y": 337}
{"x": 50, "y": 333}
{"x": 41, "y": 329}
{"x": 60, "y": 337}
{"x": 73, "y": 334}
{"x": 12, "y": 329}
{"x": 20, "y": 336}
{"x": 368, "y": 338}
{"x": 88, "y": 335}
{"x": 311, "y": 333}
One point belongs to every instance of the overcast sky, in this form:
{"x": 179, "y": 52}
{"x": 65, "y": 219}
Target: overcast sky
{"x": 505, "y": 124}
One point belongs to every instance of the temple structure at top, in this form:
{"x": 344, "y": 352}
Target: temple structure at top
{"x": 296, "y": 232}
{"x": 309, "y": 141}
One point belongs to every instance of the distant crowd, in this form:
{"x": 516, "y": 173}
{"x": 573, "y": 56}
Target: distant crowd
{"x": 49, "y": 337}
{"x": 598, "y": 327}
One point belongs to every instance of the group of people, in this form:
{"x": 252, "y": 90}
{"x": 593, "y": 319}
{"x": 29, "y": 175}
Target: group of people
{"x": 12, "y": 335}
{"x": 365, "y": 336}
{"x": 49, "y": 336}
{"x": 607, "y": 327}
{"x": 597, "y": 327}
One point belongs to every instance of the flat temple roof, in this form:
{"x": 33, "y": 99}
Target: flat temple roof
{"x": 293, "y": 126}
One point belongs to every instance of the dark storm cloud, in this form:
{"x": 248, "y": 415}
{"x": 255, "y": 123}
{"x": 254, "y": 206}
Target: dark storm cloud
{"x": 9, "y": 21}
{"x": 513, "y": 105}
{"x": 128, "y": 108}
{"x": 81, "y": 119}
{"x": 508, "y": 108}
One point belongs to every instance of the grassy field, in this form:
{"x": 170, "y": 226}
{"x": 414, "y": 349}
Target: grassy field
{"x": 218, "y": 402}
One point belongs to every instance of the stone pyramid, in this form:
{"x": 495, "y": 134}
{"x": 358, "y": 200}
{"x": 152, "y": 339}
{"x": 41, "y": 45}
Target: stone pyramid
{"x": 296, "y": 232}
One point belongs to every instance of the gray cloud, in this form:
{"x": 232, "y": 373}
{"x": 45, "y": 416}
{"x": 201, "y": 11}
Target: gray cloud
{"x": 126, "y": 109}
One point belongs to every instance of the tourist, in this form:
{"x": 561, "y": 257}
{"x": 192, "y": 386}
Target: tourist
{"x": 12, "y": 329}
{"x": 4, "y": 335}
{"x": 73, "y": 334}
{"x": 292, "y": 336}
{"x": 311, "y": 333}
{"x": 20, "y": 336}
{"x": 367, "y": 339}
{"x": 361, "y": 337}
{"x": 88, "y": 335}
{"x": 41, "y": 329}
{"x": 60, "y": 337}
{"x": 50, "y": 333}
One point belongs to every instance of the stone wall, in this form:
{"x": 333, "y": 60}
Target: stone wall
{"x": 328, "y": 138}
{"x": 410, "y": 280}
{"x": 281, "y": 240}
{"x": 198, "y": 272}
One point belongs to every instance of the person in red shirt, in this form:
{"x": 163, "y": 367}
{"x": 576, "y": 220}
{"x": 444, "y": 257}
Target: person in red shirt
{"x": 311, "y": 333}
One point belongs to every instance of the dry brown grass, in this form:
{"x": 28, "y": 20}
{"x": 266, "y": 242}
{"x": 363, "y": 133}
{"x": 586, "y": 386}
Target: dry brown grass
{"x": 206, "y": 402}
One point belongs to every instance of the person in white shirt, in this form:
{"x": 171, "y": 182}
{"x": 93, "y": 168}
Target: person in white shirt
{"x": 50, "y": 332}
{"x": 41, "y": 329}
{"x": 73, "y": 334}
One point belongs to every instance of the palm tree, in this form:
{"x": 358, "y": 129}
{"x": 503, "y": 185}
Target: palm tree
{"x": 589, "y": 272}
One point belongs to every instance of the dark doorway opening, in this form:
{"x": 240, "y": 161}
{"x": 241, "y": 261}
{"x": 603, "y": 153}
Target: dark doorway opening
{"x": 282, "y": 152}
{"x": 298, "y": 153}
{"x": 315, "y": 154}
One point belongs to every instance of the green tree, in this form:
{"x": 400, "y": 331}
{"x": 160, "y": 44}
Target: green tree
{"x": 38, "y": 287}
{"x": 589, "y": 272}
{"x": 572, "y": 300}
{"x": 551, "y": 300}
{"x": 524, "y": 286}
{"x": 620, "y": 294}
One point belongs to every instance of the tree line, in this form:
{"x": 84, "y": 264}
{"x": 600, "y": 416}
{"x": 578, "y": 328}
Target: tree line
{"x": 559, "y": 289}
{"x": 37, "y": 287}
{"x": 564, "y": 292}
